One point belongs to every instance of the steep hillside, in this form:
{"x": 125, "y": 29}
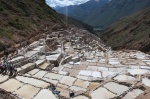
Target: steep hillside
{"x": 81, "y": 11}
{"x": 116, "y": 9}
{"x": 132, "y": 32}
{"x": 23, "y": 19}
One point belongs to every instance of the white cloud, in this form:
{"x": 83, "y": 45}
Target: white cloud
{"x": 62, "y": 3}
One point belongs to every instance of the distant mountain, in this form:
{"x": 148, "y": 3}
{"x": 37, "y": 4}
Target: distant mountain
{"x": 103, "y": 13}
{"x": 132, "y": 32}
{"x": 115, "y": 10}
{"x": 81, "y": 11}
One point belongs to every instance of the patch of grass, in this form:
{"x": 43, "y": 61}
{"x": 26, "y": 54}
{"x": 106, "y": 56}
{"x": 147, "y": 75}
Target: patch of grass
{"x": 1, "y": 8}
{"x": 117, "y": 41}
{"x": 142, "y": 32}
{"x": 6, "y": 32}
{"x": 5, "y": 13}
{"x": 17, "y": 23}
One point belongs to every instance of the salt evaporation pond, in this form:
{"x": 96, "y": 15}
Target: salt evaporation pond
{"x": 133, "y": 94}
{"x": 32, "y": 81}
{"x": 114, "y": 61}
{"x": 116, "y": 88}
{"x": 108, "y": 74}
{"x": 124, "y": 78}
{"x": 17, "y": 58}
{"x": 39, "y": 48}
{"x": 45, "y": 94}
{"x": 103, "y": 69}
{"x": 138, "y": 71}
{"x": 31, "y": 53}
{"x": 80, "y": 97}
{"x": 138, "y": 55}
{"x": 145, "y": 67}
{"x": 85, "y": 73}
{"x": 146, "y": 82}
{"x": 102, "y": 93}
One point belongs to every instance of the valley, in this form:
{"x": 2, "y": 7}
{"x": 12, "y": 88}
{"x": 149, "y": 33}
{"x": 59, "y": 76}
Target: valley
{"x": 59, "y": 57}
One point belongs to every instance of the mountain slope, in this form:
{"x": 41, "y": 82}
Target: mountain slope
{"x": 103, "y": 13}
{"x": 114, "y": 10}
{"x": 81, "y": 11}
{"x": 132, "y": 32}
{"x": 23, "y": 19}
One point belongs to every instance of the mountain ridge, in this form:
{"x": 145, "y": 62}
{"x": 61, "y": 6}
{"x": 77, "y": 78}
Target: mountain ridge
{"x": 104, "y": 14}
{"x": 81, "y": 11}
{"x": 114, "y": 11}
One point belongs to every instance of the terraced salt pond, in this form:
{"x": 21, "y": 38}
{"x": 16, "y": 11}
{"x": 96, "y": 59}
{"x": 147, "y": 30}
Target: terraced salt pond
{"x": 89, "y": 70}
{"x": 146, "y": 81}
{"x": 133, "y": 94}
{"x": 102, "y": 93}
{"x": 45, "y": 94}
{"x": 118, "y": 89}
{"x": 17, "y": 58}
{"x": 32, "y": 81}
{"x": 125, "y": 78}
{"x": 138, "y": 71}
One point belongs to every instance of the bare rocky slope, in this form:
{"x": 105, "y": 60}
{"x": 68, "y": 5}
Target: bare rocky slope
{"x": 132, "y": 32}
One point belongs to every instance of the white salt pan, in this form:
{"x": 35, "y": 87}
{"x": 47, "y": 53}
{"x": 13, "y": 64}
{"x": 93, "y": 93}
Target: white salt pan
{"x": 138, "y": 71}
{"x": 32, "y": 81}
{"x": 124, "y": 78}
{"x": 102, "y": 93}
{"x": 45, "y": 94}
{"x": 116, "y": 88}
{"x": 133, "y": 94}
{"x": 85, "y": 73}
{"x": 96, "y": 74}
{"x": 146, "y": 82}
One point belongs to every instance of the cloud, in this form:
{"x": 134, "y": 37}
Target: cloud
{"x": 62, "y": 3}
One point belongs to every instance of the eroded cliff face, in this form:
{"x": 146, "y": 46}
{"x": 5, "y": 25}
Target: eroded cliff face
{"x": 132, "y": 32}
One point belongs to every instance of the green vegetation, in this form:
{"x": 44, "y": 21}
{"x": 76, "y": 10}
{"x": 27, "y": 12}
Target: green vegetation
{"x": 24, "y": 18}
{"x": 6, "y": 32}
{"x": 131, "y": 32}
{"x": 18, "y": 24}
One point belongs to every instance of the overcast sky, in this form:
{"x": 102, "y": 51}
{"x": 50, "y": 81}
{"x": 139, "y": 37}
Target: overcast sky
{"x": 54, "y": 3}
